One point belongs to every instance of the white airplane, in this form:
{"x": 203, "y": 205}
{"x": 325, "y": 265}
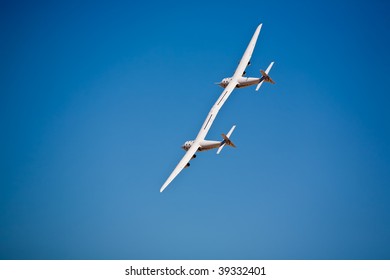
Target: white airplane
{"x": 229, "y": 84}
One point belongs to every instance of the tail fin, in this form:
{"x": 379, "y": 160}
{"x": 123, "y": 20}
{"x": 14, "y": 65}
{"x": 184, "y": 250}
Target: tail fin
{"x": 265, "y": 77}
{"x": 226, "y": 140}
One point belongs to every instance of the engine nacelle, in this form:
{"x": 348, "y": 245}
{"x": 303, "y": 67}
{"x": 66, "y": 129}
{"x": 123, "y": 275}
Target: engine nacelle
{"x": 187, "y": 165}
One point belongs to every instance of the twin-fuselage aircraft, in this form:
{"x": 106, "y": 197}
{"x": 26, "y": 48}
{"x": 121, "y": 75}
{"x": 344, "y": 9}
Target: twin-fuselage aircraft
{"x": 229, "y": 84}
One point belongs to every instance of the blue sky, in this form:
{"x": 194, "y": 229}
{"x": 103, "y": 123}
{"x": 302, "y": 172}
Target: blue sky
{"x": 97, "y": 97}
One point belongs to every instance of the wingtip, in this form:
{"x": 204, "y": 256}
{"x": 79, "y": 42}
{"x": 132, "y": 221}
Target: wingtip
{"x": 166, "y": 184}
{"x": 163, "y": 187}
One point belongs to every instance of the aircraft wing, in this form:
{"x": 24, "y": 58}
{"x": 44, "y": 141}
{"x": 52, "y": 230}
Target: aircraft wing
{"x": 247, "y": 55}
{"x": 215, "y": 109}
{"x": 230, "y": 87}
{"x": 187, "y": 157}
{"x": 202, "y": 133}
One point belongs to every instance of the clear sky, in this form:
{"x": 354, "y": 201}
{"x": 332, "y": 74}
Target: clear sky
{"x": 97, "y": 97}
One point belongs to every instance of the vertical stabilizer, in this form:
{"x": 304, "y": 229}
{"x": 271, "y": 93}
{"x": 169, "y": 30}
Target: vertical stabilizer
{"x": 226, "y": 140}
{"x": 265, "y": 77}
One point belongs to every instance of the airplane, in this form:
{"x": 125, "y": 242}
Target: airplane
{"x": 229, "y": 84}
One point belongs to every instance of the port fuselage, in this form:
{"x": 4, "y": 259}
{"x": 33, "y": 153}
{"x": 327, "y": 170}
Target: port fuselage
{"x": 242, "y": 82}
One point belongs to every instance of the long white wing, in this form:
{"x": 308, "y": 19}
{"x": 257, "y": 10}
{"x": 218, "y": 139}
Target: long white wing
{"x": 187, "y": 157}
{"x": 202, "y": 134}
{"x": 230, "y": 87}
{"x": 215, "y": 109}
{"x": 247, "y": 54}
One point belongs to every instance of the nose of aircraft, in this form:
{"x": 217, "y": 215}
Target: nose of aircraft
{"x": 223, "y": 83}
{"x": 186, "y": 145}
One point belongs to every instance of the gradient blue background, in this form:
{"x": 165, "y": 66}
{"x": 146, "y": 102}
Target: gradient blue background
{"x": 97, "y": 97}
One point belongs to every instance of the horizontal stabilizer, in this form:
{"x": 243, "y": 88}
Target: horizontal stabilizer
{"x": 226, "y": 140}
{"x": 265, "y": 77}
